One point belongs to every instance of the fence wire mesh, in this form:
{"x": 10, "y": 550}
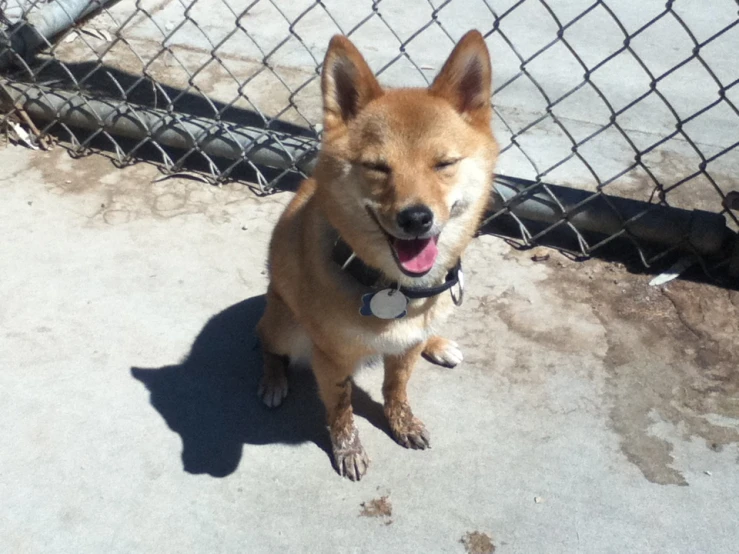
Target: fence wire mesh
{"x": 607, "y": 112}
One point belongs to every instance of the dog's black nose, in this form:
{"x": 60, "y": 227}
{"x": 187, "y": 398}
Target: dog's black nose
{"x": 416, "y": 220}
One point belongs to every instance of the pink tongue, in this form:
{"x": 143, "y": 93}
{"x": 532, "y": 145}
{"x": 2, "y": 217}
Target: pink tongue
{"x": 416, "y": 255}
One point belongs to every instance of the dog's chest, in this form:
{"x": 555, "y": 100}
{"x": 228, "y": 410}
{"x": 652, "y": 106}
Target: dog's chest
{"x": 395, "y": 339}
{"x": 402, "y": 334}
{"x": 408, "y": 332}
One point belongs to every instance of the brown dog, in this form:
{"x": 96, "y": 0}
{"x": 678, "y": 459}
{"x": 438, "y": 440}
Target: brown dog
{"x": 363, "y": 256}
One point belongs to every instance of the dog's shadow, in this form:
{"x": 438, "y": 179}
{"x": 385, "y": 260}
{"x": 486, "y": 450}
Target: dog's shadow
{"x": 210, "y": 398}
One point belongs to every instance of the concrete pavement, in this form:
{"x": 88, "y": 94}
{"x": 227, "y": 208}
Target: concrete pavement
{"x": 593, "y": 413}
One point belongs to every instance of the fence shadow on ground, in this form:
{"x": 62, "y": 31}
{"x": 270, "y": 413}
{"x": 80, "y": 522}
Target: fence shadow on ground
{"x": 100, "y": 80}
{"x": 210, "y": 399}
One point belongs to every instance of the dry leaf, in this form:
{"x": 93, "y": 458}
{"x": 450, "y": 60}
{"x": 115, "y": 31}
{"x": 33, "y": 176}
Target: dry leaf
{"x": 21, "y": 135}
{"x": 182, "y": 175}
{"x": 674, "y": 272}
{"x": 71, "y": 37}
{"x": 97, "y": 33}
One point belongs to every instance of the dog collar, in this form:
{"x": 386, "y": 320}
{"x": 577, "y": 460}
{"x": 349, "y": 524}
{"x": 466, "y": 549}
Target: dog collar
{"x": 344, "y": 256}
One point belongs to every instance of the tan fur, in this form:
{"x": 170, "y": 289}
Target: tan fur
{"x": 312, "y": 306}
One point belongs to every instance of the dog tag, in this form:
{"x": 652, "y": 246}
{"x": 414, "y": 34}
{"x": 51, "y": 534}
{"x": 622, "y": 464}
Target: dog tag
{"x": 386, "y": 304}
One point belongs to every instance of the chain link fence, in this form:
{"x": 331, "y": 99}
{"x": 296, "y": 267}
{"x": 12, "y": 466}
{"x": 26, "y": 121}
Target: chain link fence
{"x": 618, "y": 122}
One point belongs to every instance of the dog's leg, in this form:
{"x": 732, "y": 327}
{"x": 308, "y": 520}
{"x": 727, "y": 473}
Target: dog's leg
{"x": 272, "y": 330}
{"x": 408, "y": 430}
{"x": 443, "y": 352}
{"x": 335, "y": 386}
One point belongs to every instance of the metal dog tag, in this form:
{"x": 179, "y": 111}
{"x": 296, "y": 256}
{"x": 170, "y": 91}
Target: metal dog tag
{"x": 386, "y": 304}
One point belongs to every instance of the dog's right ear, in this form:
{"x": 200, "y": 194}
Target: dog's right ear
{"x": 347, "y": 83}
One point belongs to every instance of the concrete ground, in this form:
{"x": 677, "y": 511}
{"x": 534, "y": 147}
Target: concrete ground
{"x": 593, "y": 413}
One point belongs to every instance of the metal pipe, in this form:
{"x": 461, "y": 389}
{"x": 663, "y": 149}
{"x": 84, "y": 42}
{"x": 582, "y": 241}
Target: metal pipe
{"x": 705, "y": 231}
{"x": 221, "y": 139}
{"x": 26, "y": 37}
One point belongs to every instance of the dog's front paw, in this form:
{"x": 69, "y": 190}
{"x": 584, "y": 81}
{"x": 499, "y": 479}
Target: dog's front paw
{"x": 443, "y": 352}
{"x": 408, "y": 430}
{"x": 411, "y": 434}
{"x": 350, "y": 457}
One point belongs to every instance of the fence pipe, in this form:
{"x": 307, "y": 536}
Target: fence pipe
{"x": 41, "y": 25}
{"x": 219, "y": 139}
{"x": 705, "y": 231}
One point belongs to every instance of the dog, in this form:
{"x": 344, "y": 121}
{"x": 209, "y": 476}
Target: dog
{"x": 365, "y": 259}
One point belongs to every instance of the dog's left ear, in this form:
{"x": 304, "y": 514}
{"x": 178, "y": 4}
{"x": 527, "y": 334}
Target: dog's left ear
{"x": 465, "y": 79}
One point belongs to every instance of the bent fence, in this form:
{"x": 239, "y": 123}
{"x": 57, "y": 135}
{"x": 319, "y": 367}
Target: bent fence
{"x": 618, "y": 122}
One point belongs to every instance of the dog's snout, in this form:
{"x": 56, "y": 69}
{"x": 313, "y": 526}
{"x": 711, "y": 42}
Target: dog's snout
{"x": 416, "y": 220}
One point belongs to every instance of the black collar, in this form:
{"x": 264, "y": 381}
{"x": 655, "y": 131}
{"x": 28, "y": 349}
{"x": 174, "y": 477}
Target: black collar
{"x": 344, "y": 256}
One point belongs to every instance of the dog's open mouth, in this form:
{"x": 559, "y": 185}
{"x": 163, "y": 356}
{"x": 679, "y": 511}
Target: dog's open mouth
{"x": 415, "y": 256}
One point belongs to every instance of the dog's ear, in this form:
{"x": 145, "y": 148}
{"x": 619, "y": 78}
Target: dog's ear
{"x": 465, "y": 79}
{"x": 347, "y": 82}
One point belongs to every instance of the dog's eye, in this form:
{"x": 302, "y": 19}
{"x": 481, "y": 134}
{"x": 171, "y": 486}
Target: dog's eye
{"x": 444, "y": 164}
{"x": 380, "y": 167}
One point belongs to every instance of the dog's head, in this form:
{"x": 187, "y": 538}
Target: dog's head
{"x": 404, "y": 175}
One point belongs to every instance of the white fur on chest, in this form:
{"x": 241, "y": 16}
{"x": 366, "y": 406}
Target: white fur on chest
{"x": 403, "y": 334}
{"x": 396, "y": 339}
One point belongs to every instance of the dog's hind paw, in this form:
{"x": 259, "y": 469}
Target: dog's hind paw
{"x": 443, "y": 352}
{"x": 273, "y": 390}
{"x": 351, "y": 459}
